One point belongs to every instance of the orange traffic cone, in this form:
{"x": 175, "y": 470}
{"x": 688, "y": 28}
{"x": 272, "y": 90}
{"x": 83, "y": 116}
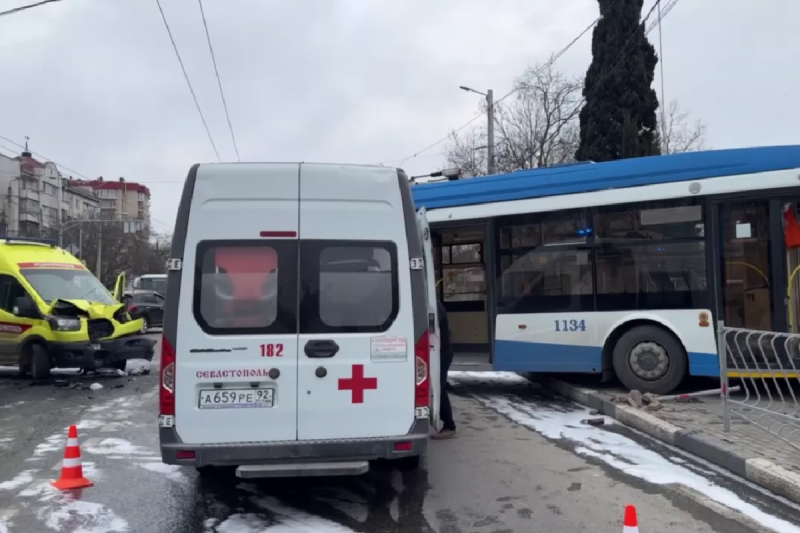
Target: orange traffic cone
{"x": 72, "y": 469}
{"x": 629, "y": 523}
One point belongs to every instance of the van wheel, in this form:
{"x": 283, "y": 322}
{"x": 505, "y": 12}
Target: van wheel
{"x": 650, "y": 359}
{"x": 40, "y": 362}
{"x": 143, "y": 329}
{"x": 215, "y": 472}
{"x": 409, "y": 464}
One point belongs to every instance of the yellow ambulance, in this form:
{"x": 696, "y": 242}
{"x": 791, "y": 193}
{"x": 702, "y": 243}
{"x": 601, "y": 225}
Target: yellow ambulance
{"x": 55, "y": 314}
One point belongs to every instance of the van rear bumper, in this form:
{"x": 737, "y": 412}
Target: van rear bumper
{"x": 261, "y": 453}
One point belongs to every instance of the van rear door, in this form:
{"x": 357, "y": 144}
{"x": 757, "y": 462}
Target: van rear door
{"x": 433, "y": 318}
{"x": 236, "y": 341}
{"x": 356, "y": 362}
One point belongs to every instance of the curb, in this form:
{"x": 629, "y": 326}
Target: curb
{"x": 759, "y": 471}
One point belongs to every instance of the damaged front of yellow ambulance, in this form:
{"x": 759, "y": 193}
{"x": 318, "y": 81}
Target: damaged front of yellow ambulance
{"x": 63, "y": 316}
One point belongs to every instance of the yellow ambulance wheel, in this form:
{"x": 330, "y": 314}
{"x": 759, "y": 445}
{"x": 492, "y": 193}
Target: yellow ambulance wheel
{"x": 39, "y": 361}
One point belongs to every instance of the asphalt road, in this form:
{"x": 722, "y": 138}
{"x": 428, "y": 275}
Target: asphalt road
{"x": 522, "y": 462}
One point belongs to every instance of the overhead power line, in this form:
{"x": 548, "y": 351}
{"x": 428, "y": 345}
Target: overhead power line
{"x": 219, "y": 80}
{"x": 29, "y": 6}
{"x": 516, "y": 88}
{"x": 188, "y": 82}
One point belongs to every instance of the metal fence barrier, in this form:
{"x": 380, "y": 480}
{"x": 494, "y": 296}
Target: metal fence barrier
{"x": 766, "y": 365}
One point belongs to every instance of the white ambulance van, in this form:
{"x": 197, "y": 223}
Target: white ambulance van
{"x": 299, "y": 336}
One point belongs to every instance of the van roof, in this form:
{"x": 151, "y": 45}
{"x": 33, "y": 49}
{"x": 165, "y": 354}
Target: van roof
{"x": 17, "y": 251}
{"x": 577, "y": 178}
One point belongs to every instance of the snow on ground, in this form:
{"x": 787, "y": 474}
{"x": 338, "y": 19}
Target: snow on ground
{"x": 21, "y": 479}
{"x": 277, "y": 518}
{"x": 618, "y": 451}
{"x": 5, "y": 520}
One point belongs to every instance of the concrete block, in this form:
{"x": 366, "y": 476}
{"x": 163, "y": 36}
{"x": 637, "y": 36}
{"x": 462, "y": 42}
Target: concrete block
{"x": 647, "y": 423}
{"x": 773, "y": 477}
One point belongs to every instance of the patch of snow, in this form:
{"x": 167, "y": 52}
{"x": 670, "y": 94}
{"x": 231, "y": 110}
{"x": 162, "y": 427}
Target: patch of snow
{"x": 90, "y": 424}
{"x": 22, "y": 479}
{"x": 277, "y": 518}
{"x": 116, "y": 405}
{"x": 111, "y": 372}
{"x": 12, "y": 405}
{"x": 51, "y": 444}
{"x": 494, "y": 378}
{"x": 39, "y": 490}
{"x": 81, "y": 517}
{"x": 113, "y": 446}
{"x": 5, "y": 519}
{"x": 65, "y": 511}
{"x": 173, "y": 472}
{"x": 95, "y": 386}
{"x": 623, "y": 454}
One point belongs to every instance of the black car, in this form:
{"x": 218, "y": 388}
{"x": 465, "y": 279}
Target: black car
{"x": 147, "y": 305}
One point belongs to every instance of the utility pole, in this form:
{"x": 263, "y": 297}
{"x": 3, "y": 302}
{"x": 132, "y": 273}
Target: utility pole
{"x": 60, "y": 200}
{"x": 489, "y": 95}
{"x": 490, "y": 131}
{"x": 99, "y": 250}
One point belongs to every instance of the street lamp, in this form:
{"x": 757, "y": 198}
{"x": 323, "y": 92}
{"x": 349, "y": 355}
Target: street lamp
{"x": 489, "y": 95}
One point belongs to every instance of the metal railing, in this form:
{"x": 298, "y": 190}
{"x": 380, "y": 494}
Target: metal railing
{"x": 766, "y": 366}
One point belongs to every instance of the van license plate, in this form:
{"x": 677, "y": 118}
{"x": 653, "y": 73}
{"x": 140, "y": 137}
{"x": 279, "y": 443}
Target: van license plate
{"x": 235, "y": 398}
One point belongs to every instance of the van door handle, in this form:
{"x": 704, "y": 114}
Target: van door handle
{"x": 321, "y": 348}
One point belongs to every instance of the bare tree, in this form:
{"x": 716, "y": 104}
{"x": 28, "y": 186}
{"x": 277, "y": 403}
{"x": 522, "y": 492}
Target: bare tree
{"x": 537, "y": 128}
{"x": 468, "y": 151}
{"x": 135, "y": 253}
{"x": 678, "y": 133}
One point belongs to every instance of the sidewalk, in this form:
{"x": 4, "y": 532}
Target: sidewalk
{"x": 696, "y": 427}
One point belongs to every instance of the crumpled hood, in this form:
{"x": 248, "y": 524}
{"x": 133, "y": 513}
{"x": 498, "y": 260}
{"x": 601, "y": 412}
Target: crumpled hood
{"x": 92, "y": 309}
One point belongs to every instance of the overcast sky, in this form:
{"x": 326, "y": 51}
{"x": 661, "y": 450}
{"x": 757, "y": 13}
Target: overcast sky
{"x": 97, "y": 87}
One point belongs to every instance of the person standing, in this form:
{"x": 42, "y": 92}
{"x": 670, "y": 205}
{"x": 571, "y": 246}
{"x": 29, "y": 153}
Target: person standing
{"x": 446, "y": 358}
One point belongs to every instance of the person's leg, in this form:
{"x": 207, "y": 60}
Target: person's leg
{"x": 445, "y": 409}
{"x": 446, "y": 412}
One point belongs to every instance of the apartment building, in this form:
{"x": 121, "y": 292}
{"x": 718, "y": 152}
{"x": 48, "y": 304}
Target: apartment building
{"x": 32, "y": 202}
{"x": 120, "y": 199}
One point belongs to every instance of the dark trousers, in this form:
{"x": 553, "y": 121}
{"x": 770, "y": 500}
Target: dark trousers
{"x": 445, "y": 411}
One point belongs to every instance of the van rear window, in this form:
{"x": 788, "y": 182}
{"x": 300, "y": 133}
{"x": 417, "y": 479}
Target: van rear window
{"x": 352, "y": 286}
{"x": 246, "y": 287}
{"x": 251, "y": 287}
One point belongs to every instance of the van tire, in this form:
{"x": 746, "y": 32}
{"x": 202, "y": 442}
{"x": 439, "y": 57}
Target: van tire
{"x": 215, "y": 472}
{"x": 408, "y": 464}
{"x": 665, "y": 344}
{"x": 39, "y": 361}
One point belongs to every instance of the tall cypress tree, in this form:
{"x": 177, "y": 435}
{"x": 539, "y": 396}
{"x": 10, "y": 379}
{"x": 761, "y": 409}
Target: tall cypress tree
{"x": 619, "y": 118}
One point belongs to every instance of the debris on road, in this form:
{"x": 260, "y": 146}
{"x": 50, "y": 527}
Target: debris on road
{"x": 635, "y": 398}
{"x": 652, "y": 402}
{"x": 594, "y": 421}
{"x": 95, "y": 386}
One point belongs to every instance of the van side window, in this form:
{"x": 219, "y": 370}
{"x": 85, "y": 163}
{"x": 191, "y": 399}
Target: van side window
{"x": 351, "y": 286}
{"x": 246, "y": 287}
{"x": 10, "y": 290}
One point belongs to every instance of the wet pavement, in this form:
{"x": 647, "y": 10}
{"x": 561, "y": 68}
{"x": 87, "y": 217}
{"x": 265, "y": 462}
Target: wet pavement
{"x": 522, "y": 462}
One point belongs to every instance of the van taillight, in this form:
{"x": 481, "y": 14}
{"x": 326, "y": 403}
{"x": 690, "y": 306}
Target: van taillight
{"x": 166, "y": 381}
{"x": 422, "y": 353}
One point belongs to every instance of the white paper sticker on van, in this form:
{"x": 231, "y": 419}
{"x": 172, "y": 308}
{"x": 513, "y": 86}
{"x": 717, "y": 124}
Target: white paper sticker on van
{"x": 388, "y": 349}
